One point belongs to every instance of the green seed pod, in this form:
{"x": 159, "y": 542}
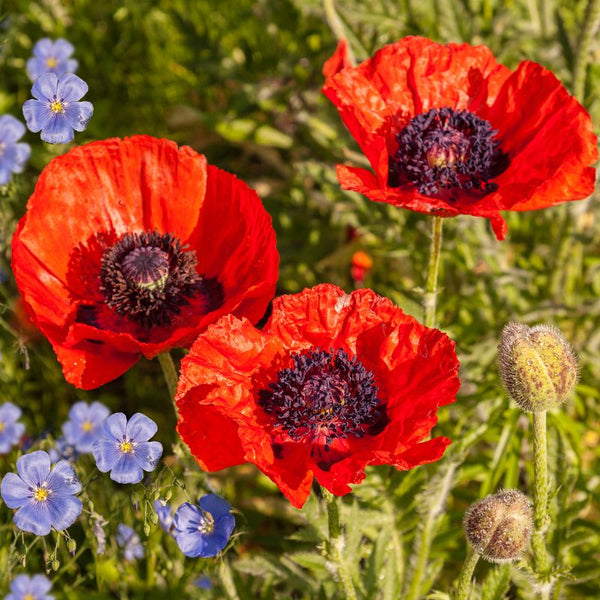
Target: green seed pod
{"x": 537, "y": 366}
{"x": 71, "y": 546}
{"x": 55, "y": 565}
{"x": 499, "y": 527}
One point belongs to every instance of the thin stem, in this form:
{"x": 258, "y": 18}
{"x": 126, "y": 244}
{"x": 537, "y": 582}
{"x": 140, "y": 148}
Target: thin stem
{"x": 592, "y": 18}
{"x": 336, "y": 544}
{"x": 540, "y": 493}
{"x": 430, "y": 298}
{"x": 227, "y": 580}
{"x": 464, "y": 580}
{"x": 170, "y": 374}
{"x": 334, "y": 21}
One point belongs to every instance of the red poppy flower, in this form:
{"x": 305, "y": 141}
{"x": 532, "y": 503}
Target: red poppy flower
{"x": 132, "y": 247}
{"x": 333, "y": 383}
{"x": 450, "y": 131}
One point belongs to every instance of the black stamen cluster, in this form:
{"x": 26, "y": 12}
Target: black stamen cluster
{"x": 146, "y": 277}
{"x": 444, "y": 149}
{"x": 325, "y": 395}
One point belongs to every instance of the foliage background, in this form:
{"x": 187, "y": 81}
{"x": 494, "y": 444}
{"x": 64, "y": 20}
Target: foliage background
{"x": 240, "y": 82}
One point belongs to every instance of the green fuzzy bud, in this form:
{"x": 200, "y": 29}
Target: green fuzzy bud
{"x": 499, "y": 527}
{"x": 146, "y": 530}
{"x": 71, "y": 545}
{"x": 55, "y": 565}
{"x": 537, "y": 366}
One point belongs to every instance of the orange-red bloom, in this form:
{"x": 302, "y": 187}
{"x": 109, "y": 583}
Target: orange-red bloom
{"x": 132, "y": 247}
{"x": 450, "y": 131}
{"x": 333, "y": 383}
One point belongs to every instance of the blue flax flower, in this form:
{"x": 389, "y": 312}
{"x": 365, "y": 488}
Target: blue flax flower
{"x": 203, "y": 530}
{"x": 56, "y": 111}
{"x": 45, "y": 498}
{"x": 10, "y": 429}
{"x": 84, "y": 426}
{"x": 51, "y": 57}
{"x": 203, "y": 582}
{"x": 130, "y": 541}
{"x": 13, "y": 156}
{"x": 165, "y": 516}
{"x": 24, "y": 587}
{"x": 124, "y": 449}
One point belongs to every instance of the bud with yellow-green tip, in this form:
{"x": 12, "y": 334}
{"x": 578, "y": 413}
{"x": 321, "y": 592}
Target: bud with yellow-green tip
{"x": 537, "y": 366}
{"x": 499, "y": 527}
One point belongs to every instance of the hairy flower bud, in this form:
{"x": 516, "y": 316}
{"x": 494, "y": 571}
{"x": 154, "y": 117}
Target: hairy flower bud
{"x": 537, "y": 366}
{"x": 499, "y": 527}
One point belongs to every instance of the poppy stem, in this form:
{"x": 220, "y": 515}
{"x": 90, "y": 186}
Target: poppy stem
{"x": 540, "y": 494}
{"x": 336, "y": 25}
{"x": 170, "y": 373}
{"x": 464, "y": 580}
{"x": 430, "y": 297}
{"x": 336, "y": 544}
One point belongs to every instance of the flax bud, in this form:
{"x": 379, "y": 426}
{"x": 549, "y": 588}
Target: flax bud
{"x": 537, "y": 366}
{"x": 499, "y": 527}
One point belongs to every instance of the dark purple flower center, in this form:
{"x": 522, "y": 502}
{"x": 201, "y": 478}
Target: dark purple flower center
{"x": 445, "y": 149}
{"x": 325, "y": 396}
{"x": 148, "y": 277}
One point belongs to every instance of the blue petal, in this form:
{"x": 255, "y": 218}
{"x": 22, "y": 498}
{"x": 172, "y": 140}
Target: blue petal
{"x": 15, "y": 492}
{"x": 37, "y": 115}
{"x": 11, "y": 130}
{"x": 63, "y": 480}
{"x": 43, "y": 48}
{"x": 62, "y": 49}
{"x": 5, "y": 174}
{"x": 140, "y": 428}
{"x": 71, "y": 88}
{"x": 186, "y": 516}
{"x": 98, "y": 412}
{"x": 16, "y": 155}
{"x": 33, "y": 468}
{"x": 215, "y": 505}
{"x": 126, "y": 470}
{"x": 213, "y": 544}
{"x": 34, "y": 517}
{"x": 191, "y": 544}
{"x": 35, "y": 67}
{"x": 64, "y": 511}
{"x": 40, "y": 584}
{"x": 124, "y": 534}
{"x": 58, "y": 131}
{"x": 79, "y": 411}
{"x": 78, "y": 114}
{"x": 224, "y": 526}
{"x": 21, "y": 584}
{"x": 115, "y": 426}
{"x": 9, "y": 413}
{"x": 106, "y": 454}
{"x": 147, "y": 454}
{"x": 71, "y": 66}
{"x": 45, "y": 87}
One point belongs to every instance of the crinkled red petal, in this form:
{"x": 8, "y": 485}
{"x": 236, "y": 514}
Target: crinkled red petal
{"x": 546, "y": 133}
{"x": 415, "y": 369}
{"x": 87, "y": 199}
{"x": 339, "y": 60}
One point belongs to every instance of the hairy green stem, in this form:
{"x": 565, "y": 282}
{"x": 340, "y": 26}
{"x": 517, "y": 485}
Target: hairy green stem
{"x": 540, "y": 494}
{"x": 336, "y": 545}
{"x": 170, "y": 373}
{"x": 430, "y": 298}
{"x": 464, "y": 580}
{"x": 226, "y": 577}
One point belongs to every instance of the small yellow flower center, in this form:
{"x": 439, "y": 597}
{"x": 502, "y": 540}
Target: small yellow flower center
{"x": 1, "y": 426}
{"x": 51, "y": 62}
{"x": 87, "y": 426}
{"x": 126, "y": 447}
{"x": 57, "y": 106}
{"x": 207, "y": 524}
{"x": 28, "y": 597}
{"x": 41, "y": 494}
